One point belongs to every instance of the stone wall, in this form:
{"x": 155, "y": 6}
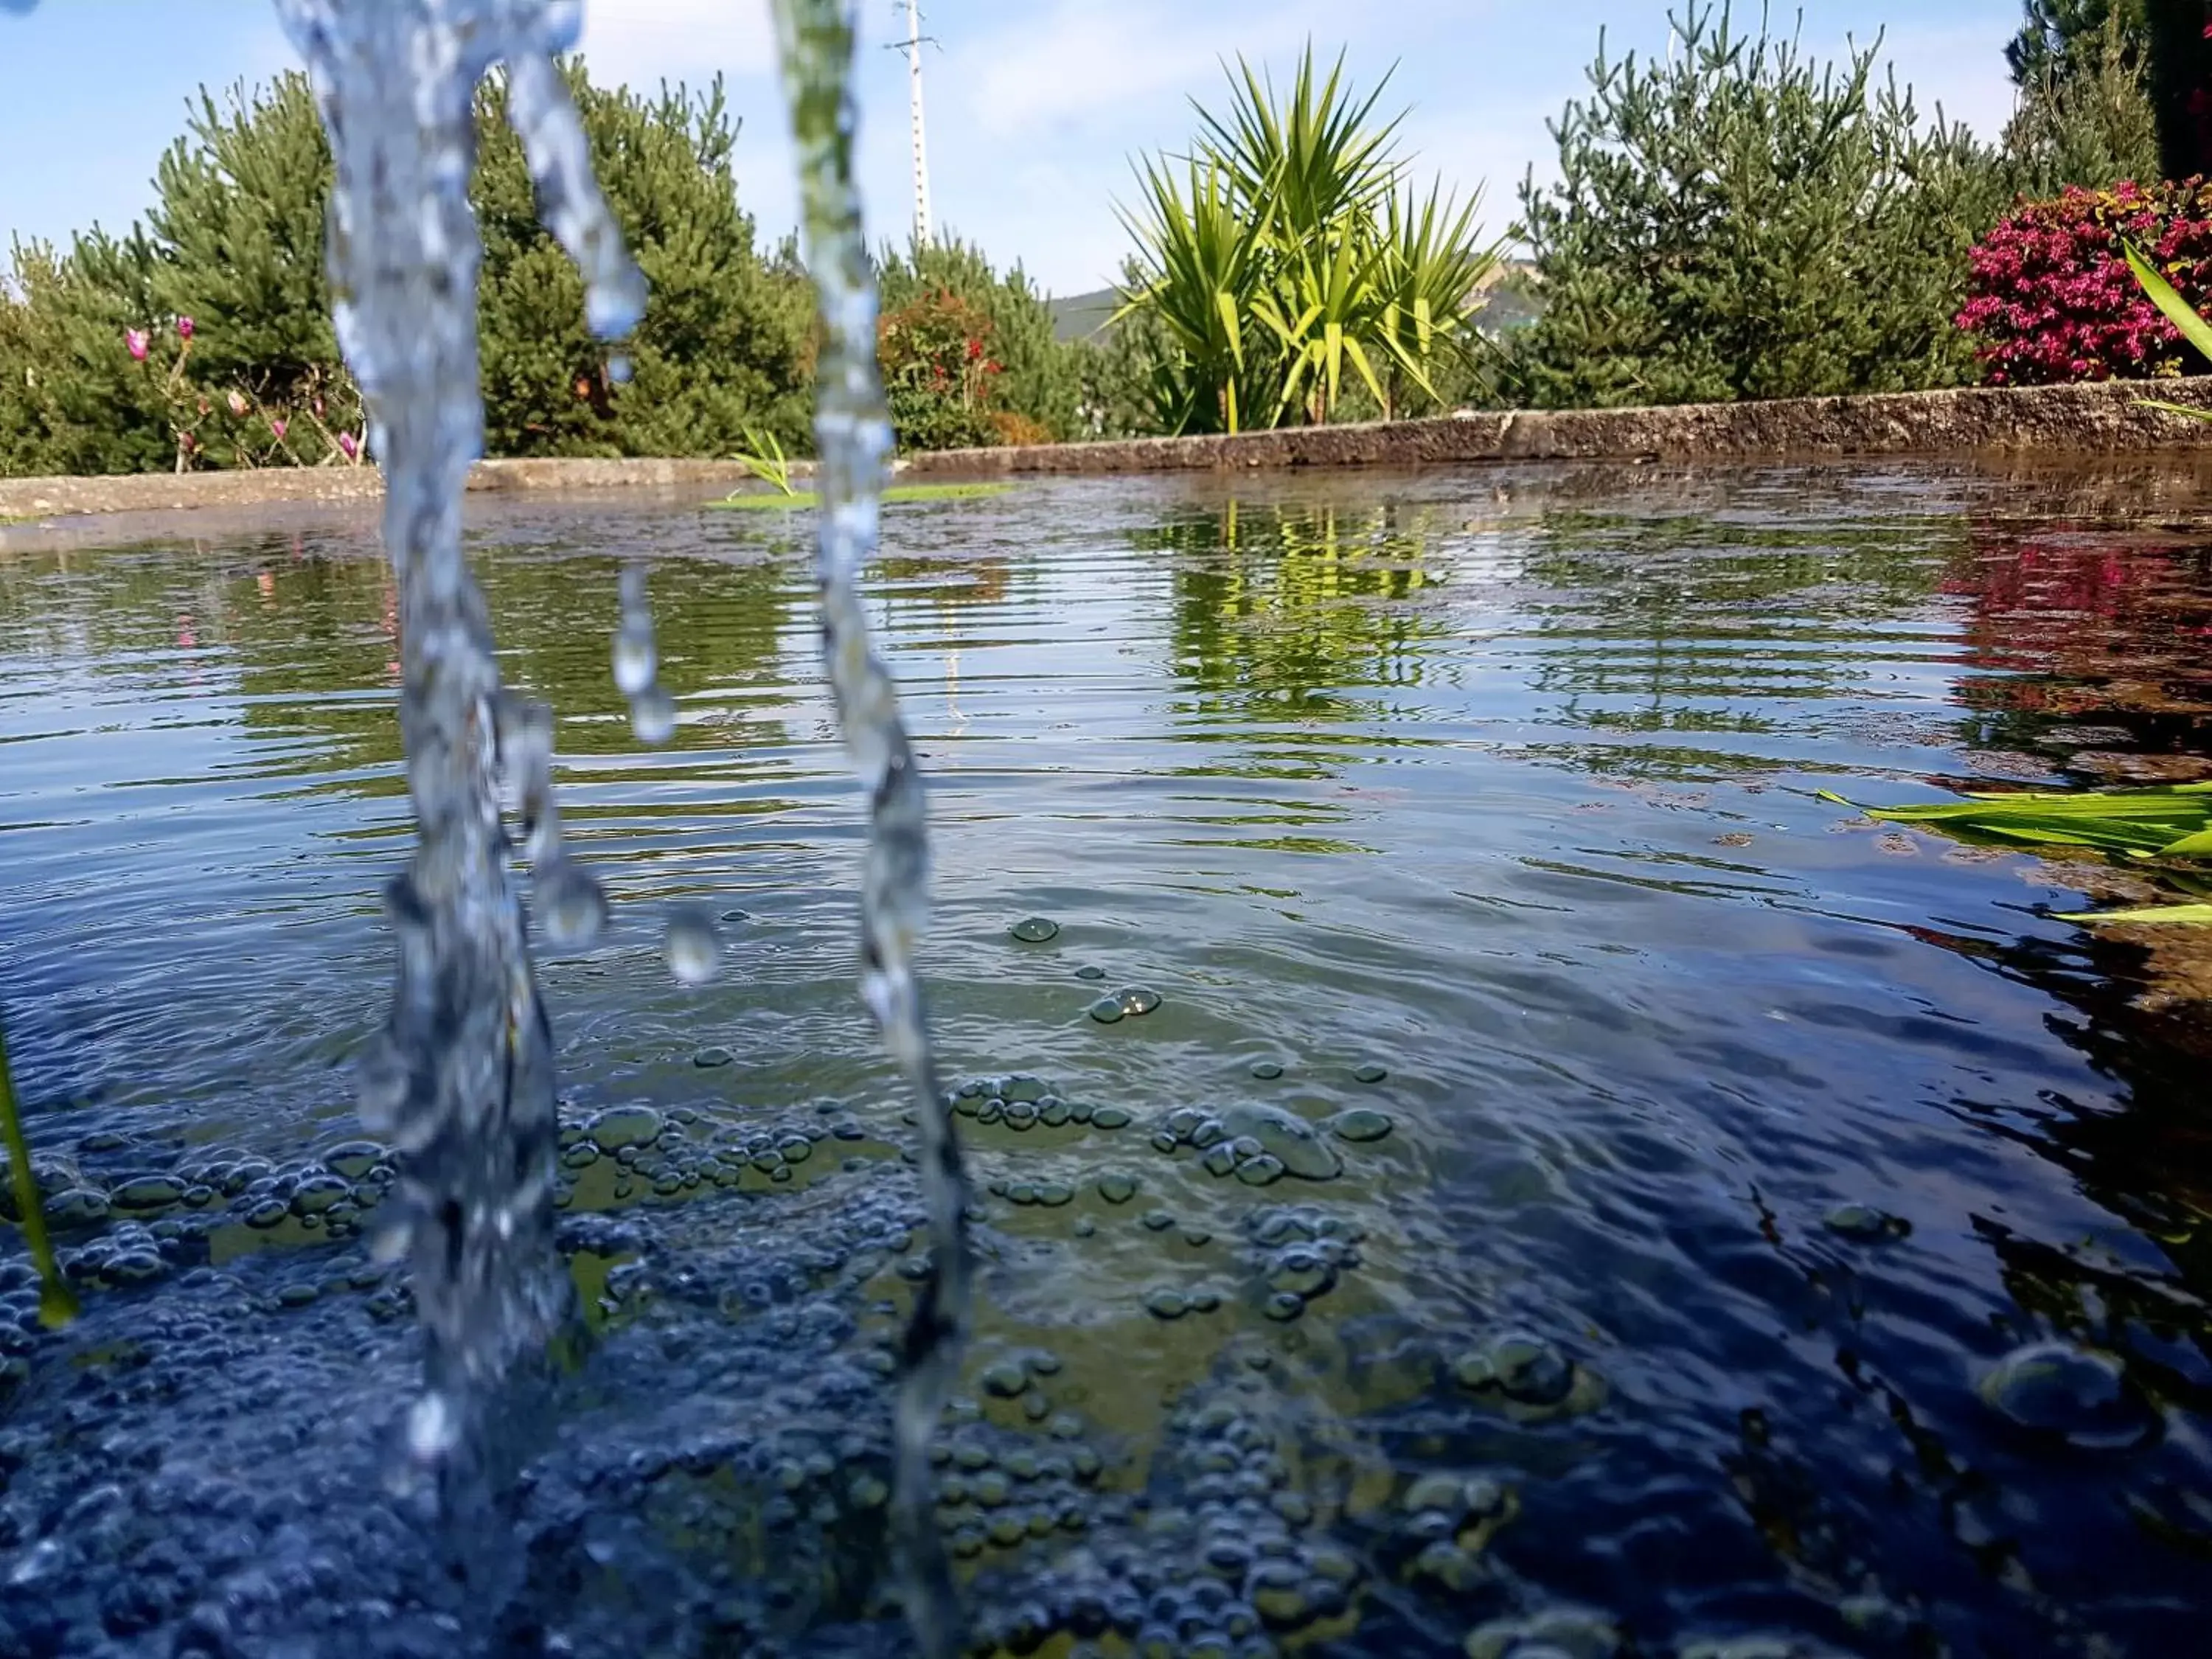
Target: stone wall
{"x": 2053, "y": 420}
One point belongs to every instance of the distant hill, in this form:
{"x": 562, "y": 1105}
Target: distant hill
{"x": 1083, "y": 313}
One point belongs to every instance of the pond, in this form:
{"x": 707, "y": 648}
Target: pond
{"x": 1473, "y": 1155}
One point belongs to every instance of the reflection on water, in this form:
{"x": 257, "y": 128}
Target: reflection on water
{"x": 1569, "y": 1175}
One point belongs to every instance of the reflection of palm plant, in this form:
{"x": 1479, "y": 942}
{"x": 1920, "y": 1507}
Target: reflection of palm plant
{"x": 1297, "y": 253}
{"x": 765, "y": 461}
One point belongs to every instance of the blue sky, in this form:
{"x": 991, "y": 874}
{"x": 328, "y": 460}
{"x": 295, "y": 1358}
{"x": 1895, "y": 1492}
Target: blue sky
{"x": 1034, "y": 105}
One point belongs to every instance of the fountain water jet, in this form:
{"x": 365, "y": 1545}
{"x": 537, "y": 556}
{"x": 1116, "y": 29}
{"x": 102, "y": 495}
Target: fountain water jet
{"x": 462, "y": 1078}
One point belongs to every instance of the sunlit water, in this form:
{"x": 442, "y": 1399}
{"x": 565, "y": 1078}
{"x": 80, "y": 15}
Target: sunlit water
{"x": 1658, "y": 1152}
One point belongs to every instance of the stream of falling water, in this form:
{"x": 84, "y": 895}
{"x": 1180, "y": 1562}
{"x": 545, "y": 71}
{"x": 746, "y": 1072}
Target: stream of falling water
{"x": 462, "y": 1078}
{"x": 853, "y": 437}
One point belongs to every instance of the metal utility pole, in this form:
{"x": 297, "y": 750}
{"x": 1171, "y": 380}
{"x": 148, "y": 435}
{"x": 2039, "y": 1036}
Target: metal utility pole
{"x": 920, "y": 149}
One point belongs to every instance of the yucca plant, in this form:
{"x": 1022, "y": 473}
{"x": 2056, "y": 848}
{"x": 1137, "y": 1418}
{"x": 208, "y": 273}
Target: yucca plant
{"x": 1291, "y": 259}
{"x": 1203, "y": 265}
{"x": 1433, "y": 274}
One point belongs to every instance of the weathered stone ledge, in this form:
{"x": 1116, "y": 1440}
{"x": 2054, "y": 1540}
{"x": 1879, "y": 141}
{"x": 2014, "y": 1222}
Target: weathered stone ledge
{"x": 2058, "y": 421}
{"x": 164, "y": 492}
{"x": 2070, "y": 420}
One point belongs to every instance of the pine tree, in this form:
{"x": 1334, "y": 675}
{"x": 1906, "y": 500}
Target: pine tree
{"x": 1739, "y": 223}
{"x": 234, "y": 246}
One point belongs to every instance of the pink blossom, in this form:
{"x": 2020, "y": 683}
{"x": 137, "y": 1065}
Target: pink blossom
{"x": 348, "y": 445}
{"x": 238, "y": 404}
{"x": 184, "y": 328}
{"x": 278, "y": 425}
{"x": 136, "y": 340}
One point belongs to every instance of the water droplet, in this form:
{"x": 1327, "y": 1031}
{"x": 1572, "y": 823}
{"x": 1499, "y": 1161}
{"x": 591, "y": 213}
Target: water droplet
{"x": 571, "y": 905}
{"x": 635, "y": 659}
{"x": 693, "y": 948}
{"x": 1036, "y": 930}
{"x": 653, "y": 716}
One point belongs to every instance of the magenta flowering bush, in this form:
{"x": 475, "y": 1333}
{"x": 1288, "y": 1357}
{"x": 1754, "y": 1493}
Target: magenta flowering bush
{"x": 191, "y": 408}
{"x": 2050, "y": 299}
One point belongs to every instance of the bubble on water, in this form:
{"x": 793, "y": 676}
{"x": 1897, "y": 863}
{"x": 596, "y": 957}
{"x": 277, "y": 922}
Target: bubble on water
{"x": 1091, "y": 970}
{"x": 1359, "y": 1124}
{"x": 1036, "y": 930}
{"x": 1866, "y": 1223}
{"x": 1369, "y": 1072}
{"x": 1522, "y": 1367}
{"x": 634, "y": 659}
{"x": 572, "y": 906}
{"x": 1167, "y": 1304}
{"x": 1107, "y": 1010}
{"x": 692, "y": 947}
{"x": 2080, "y": 1395}
{"x": 1137, "y": 999}
{"x": 708, "y": 1059}
{"x": 1266, "y": 1070}
{"x": 653, "y": 716}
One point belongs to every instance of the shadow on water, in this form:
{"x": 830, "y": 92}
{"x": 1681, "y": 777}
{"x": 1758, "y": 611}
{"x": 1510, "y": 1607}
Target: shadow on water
{"x": 1481, "y": 1156}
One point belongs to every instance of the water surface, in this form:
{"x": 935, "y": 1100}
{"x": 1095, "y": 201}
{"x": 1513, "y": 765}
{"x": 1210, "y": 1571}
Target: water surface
{"x": 1765, "y": 1131}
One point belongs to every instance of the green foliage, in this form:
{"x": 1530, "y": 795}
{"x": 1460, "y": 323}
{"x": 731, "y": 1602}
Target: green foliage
{"x": 723, "y": 341}
{"x": 2059, "y": 39}
{"x": 1288, "y": 267}
{"x": 1737, "y": 222}
{"x": 235, "y": 243}
{"x": 1128, "y": 381}
{"x": 2084, "y": 116}
{"x": 939, "y": 376}
{"x": 1041, "y": 376}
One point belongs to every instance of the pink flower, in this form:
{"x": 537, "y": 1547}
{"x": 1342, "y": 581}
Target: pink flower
{"x": 184, "y": 328}
{"x": 135, "y": 340}
{"x": 277, "y": 425}
{"x": 347, "y": 446}
{"x": 238, "y": 404}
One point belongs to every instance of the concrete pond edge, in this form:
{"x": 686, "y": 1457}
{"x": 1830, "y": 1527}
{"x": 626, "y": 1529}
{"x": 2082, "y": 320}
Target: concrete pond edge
{"x": 2064, "y": 420}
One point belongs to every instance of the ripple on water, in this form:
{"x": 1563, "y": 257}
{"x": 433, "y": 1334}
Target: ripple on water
{"x": 1696, "y": 1119}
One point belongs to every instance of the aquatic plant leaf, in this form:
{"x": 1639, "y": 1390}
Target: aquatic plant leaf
{"x": 2179, "y": 312}
{"x": 2174, "y": 408}
{"x": 2199, "y": 914}
{"x": 797, "y": 499}
{"x": 2197, "y": 846}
